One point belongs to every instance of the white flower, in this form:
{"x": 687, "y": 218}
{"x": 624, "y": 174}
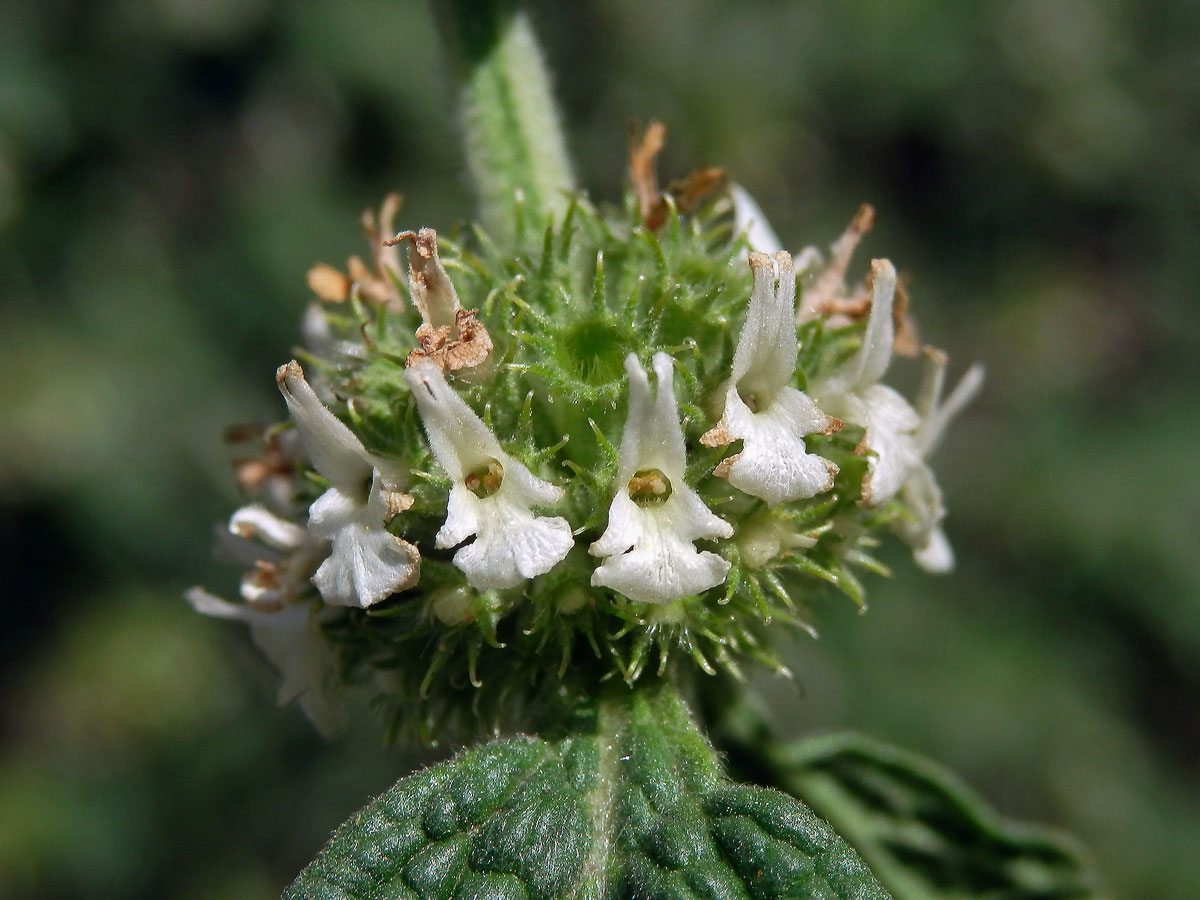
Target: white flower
{"x": 920, "y": 495}
{"x": 291, "y": 640}
{"x": 493, "y": 493}
{"x": 852, "y": 392}
{"x": 655, "y": 517}
{"x": 770, "y": 417}
{"x": 366, "y": 563}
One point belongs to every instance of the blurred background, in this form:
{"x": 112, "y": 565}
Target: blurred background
{"x": 169, "y": 169}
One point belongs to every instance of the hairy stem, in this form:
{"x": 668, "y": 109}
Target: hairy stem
{"x": 514, "y": 144}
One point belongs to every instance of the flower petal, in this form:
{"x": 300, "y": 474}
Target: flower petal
{"x": 650, "y": 556}
{"x": 936, "y": 414}
{"x": 256, "y": 523}
{"x": 765, "y": 358}
{"x": 512, "y": 544}
{"x": 431, "y": 287}
{"x": 652, "y": 438}
{"x": 661, "y": 564}
{"x": 366, "y": 564}
{"x": 937, "y": 556}
{"x": 775, "y": 464}
{"x": 890, "y": 434}
{"x": 458, "y": 438}
{"x": 871, "y": 361}
{"x": 332, "y": 447}
{"x": 748, "y": 219}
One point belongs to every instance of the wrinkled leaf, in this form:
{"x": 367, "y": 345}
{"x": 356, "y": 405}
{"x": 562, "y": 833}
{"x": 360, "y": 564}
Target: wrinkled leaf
{"x": 634, "y": 806}
{"x": 925, "y": 834}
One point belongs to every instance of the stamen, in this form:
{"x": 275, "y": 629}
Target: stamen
{"x": 486, "y": 480}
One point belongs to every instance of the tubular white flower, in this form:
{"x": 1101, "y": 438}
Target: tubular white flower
{"x": 649, "y": 549}
{"x": 853, "y": 393}
{"x": 770, "y": 417}
{"x": 292, "y": 642}
{"x": 920, "y": 494}
{"x": 493, "y": 493}
{"x": 366, "y": 563}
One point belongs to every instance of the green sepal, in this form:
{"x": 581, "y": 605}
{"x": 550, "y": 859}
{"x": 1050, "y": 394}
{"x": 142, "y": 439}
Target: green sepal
{"x": 630, "y": 801}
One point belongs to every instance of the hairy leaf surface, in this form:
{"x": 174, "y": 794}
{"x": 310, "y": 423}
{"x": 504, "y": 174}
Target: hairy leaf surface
{"x": 635, "y": 805}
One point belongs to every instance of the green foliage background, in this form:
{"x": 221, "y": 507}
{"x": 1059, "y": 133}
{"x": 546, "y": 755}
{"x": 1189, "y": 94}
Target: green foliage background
{"x": 170, "y": 168}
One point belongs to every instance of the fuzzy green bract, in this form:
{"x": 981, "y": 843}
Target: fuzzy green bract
{"x": 629, "y": 803}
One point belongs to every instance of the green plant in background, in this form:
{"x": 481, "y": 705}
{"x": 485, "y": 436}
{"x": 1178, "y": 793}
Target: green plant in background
{"x": 567, "y": 474}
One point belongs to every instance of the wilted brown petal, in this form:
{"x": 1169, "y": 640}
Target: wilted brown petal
{"x": 690, "y": 190}
{"x": 642, "y": 153}
{"x": 906, "y": 342}
{"x": 450, "y": 353}
{"x": 828, "y": 295}
{"x": 328, "y": 283}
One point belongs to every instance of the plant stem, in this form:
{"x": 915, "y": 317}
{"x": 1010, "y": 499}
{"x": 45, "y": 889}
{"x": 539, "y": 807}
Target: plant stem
{"x": 514, "y": 145}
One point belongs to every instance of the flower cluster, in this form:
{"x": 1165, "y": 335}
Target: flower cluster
{"x": 467, "y": 488}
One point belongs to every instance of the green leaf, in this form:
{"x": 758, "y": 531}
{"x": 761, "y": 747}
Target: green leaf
{"x": 924, "y": 833}
{"x": 633, "y": 804}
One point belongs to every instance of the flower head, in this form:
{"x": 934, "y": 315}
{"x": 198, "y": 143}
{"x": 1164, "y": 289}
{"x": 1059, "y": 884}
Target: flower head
{"x": 655, "y": 517}
{"x": 579, "y": 309}
{"x": 493, "y": 494}
{"x": 770, "y": 417}
{"x": 366, "y": 563}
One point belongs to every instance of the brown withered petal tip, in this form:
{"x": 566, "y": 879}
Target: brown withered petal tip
{"x": 695, "y": 186}
{"x": 723, "y": 467}
{"x": 470, "y": 349}
{"x": 397, "y": 502}
{"x": 906, "y": 342}
{"x": 717, "y": 436}
{"x": 642, "y": 153}
{"x": 288, "y": 370}
{"x": 864, "y": 219}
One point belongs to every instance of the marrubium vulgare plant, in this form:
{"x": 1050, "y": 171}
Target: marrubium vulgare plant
{"x": 564, "y": 477}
